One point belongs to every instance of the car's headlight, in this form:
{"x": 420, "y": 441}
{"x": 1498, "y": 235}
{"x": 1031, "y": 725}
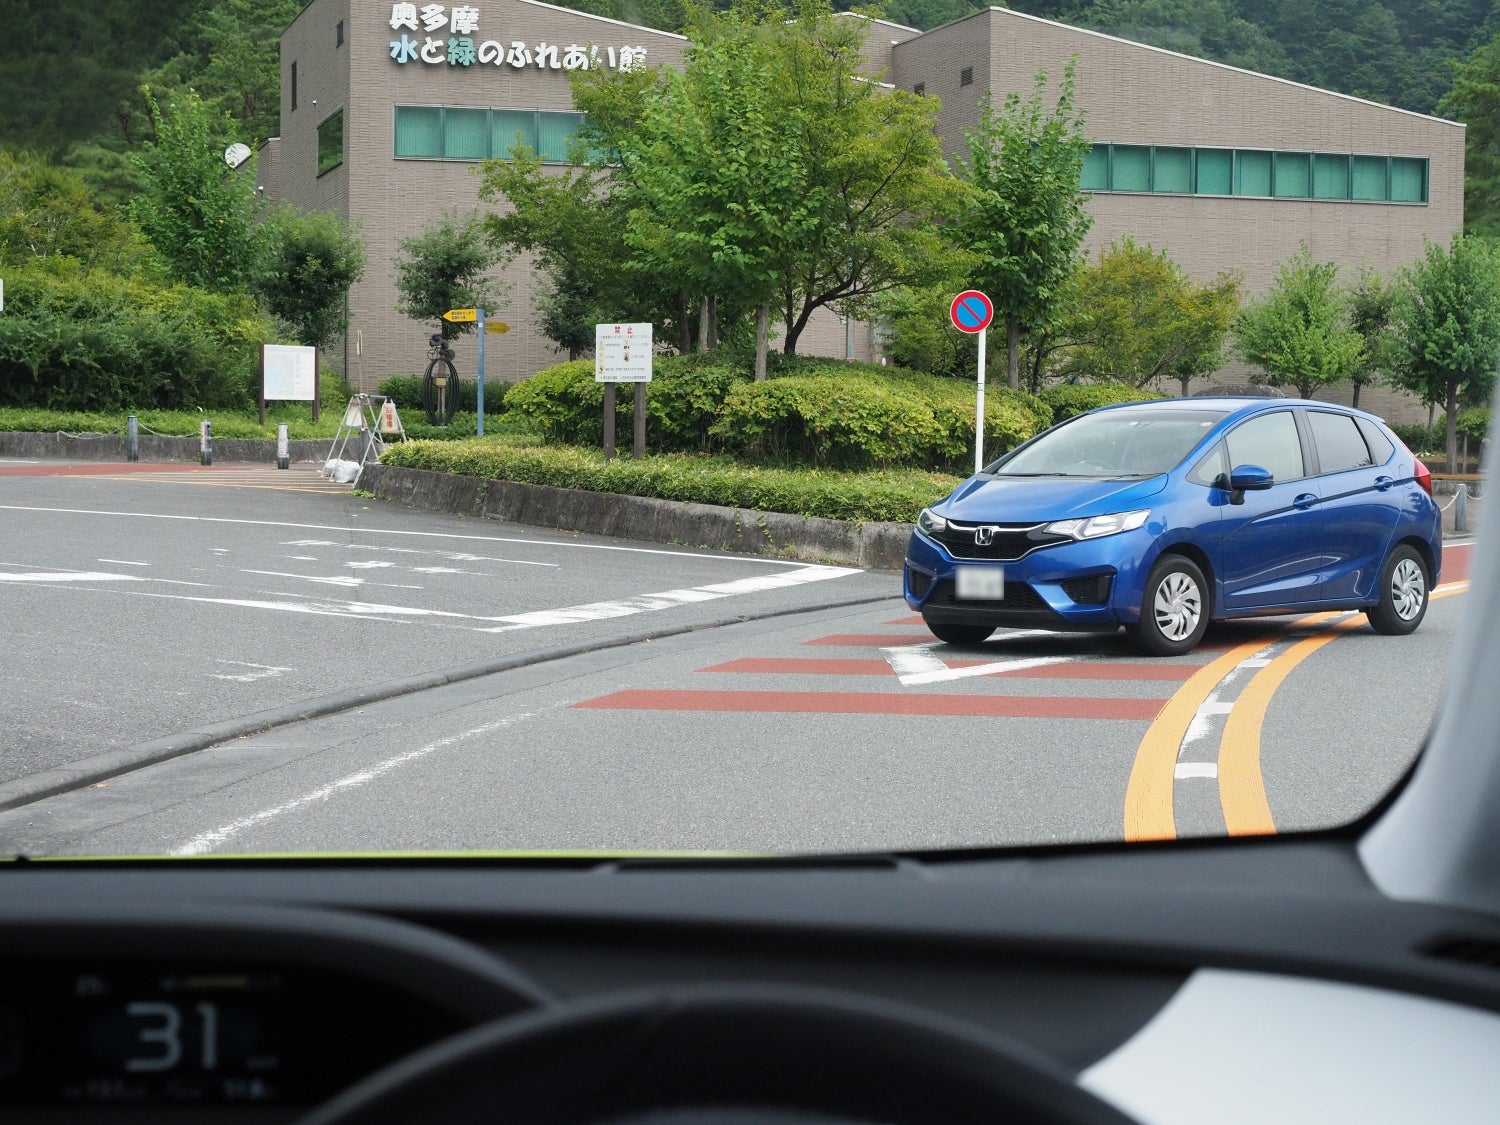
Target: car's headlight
{"x": 931, "y": 523}
{"x": 1094, "y": 526}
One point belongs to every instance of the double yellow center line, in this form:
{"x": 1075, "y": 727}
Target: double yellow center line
{"x": 1242, "y": 790}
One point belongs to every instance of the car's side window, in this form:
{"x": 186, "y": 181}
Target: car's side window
{"x": 1340, "y": 446}
{"x": 1270, "y": 441}
{"x": 1380, "y": 445}
{"x": 1208, "y": 470}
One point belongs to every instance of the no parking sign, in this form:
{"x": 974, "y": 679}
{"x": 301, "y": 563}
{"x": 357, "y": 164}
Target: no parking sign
{"x": 971, "y": 312}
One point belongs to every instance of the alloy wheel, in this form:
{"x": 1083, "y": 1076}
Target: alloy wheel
{"x": 1408, "y": 589}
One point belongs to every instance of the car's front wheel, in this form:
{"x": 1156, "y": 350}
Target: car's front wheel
{"x": 1174, "y": 610}
{"x": 959, "y": 634}
{"x": 1404, "y": 593}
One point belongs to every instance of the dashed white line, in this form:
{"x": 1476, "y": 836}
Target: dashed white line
{"x": 68, "y": 576}
{"x": 916, "y": 664}
{"x": 121, "y": 562}
{"x": 1196, "y": 769}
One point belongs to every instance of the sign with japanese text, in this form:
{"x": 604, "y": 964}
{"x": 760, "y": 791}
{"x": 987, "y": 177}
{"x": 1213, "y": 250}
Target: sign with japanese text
{"x": 390, "y": 423}
{"x": 437, "y": 34}
{"x": 622, "y": 353}
{"x": 461, "y": 316}
{"x": 289, "y": 373}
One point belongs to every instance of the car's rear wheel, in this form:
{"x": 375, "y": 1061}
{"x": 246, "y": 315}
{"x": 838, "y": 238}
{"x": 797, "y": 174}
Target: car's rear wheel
{"x": 1404, "y": 593}
{"x": 1174, "y": 609}
{"x": 959, "y": 634}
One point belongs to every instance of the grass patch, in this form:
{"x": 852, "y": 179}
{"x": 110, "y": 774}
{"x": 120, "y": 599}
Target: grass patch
{"x": 890, "y": 494}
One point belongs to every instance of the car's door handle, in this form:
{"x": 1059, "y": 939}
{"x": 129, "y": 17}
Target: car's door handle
{"x": 1383, "y": 483}
{"x": 1305, "y": 501}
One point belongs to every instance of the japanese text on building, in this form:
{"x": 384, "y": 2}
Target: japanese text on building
{"x": 437, "y": 34}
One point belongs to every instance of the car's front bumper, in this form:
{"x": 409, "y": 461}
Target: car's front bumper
{"x": 1088, "y": 586}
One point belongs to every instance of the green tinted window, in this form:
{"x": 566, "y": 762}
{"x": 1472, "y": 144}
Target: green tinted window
{"x": 1408, "y": 180}
{"x": 1330, "y": 176}
{"x": 466, "y": 134}
{"x": 1130, "y": 168}
{"x": 419, "y": 131}
{"x": 1215, "y": 171}
{"x": 1173, "y": 170}
{"x": 554, "y": 132}
{"x": 331, "y": 143}
{"x": 1369, "y": 177}
{"x": 1096, "y": 169}
{"x": 1293, "y": 175}
{"x": 509, "y": 127}
{"x": 1253, "y": 173}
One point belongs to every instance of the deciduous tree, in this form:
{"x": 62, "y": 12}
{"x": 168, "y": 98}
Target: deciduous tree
{"x": 444, "y": 268}
{"x": 1299, "y": 332}
{"x": 312, "y": 259}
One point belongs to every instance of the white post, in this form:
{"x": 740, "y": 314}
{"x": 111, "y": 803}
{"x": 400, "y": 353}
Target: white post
{"x": 979, "y": 412}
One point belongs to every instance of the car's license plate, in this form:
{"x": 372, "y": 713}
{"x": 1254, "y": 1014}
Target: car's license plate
{"x": 981, "y": 583}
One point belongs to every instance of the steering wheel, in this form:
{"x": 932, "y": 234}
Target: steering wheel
{"x": 715, "y": 1055}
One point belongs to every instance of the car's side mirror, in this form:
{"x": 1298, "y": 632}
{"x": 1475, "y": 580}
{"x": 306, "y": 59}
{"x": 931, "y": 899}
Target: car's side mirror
{"x": 1247, "y": 478}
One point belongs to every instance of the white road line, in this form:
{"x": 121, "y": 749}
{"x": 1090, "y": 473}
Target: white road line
{"x": 122, "y": 562}
{"x": 541, "y": 543}
{"x": 916, "y": 664}
{"x": 266, "y": 672}
{"x": 1196, "y": 769}
{"x": 369, "y": 564}
{"x": 334, "y": 580}
{"x": 626, "y": 607}
{"x": 207, "y": 841}
{"x": 1203, "y": 718}
{"x": 69, "y": 576}
{"x": 450, "y": 556}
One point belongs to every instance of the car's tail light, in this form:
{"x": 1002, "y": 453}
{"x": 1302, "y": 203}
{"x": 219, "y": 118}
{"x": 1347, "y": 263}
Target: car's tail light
{"x": 1423, "y": 476}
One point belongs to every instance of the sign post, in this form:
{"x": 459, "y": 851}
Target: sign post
{"x": 479, "y": 384}
{"x": 972, "y": 312}
{"x": 622, "y": 354}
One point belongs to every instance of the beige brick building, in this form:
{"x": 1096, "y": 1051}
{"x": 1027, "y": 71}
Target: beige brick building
{"x": 387, "y": 107}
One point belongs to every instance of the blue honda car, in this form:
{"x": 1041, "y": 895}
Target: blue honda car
{"x": 1162, "y": 516}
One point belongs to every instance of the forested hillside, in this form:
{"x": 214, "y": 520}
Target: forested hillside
{"x": 71, "y": 70}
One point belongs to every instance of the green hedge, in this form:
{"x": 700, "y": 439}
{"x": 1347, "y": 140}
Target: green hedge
{"x": 93, "y": 341}
{"x": 1069, "y": 400}
{"x": 700, "y": 478}
{"x": 816, "y": 412}
{"x": 406, "y": 390}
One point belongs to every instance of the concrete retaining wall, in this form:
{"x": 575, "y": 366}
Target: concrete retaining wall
{"x": 880, "y": 546}
{"x": 111, "y": 447}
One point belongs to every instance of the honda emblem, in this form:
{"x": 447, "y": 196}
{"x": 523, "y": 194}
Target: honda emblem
{"x": 984, "y": 536}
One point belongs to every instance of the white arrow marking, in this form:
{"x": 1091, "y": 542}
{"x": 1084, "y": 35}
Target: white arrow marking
{"x": 267, "y": 671}
{"x": 915, "y": 664}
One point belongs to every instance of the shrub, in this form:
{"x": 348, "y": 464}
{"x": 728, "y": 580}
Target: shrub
{"x": 811, "y": 411}
{"x": 77, "y": 340}
{"x": 692, "y": 478}
{"x": 406, "y": 390}
{"x": 1421, "y": 439}
{"x": 1069, "y": 400}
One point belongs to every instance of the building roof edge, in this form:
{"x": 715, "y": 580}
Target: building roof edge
{"x": 1210, "y": 62}
{"x": 603, "y": 19}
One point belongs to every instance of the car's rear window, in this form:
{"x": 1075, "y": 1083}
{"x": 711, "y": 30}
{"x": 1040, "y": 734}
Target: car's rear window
{"x": 1113, "y": 443}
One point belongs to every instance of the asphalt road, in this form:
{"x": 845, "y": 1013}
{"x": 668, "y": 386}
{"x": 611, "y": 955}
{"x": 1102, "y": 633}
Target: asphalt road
{"x": 831, "y": 729}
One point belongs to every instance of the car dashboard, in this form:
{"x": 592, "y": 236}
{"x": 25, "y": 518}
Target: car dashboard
{"x": 257, "y": 991}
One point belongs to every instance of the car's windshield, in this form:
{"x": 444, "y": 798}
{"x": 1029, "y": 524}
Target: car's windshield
{"x": 1121, "y": 443}
{"x": 508, "y": 427}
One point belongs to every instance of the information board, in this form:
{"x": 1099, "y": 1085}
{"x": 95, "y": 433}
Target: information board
{"x": 622, "y": 353}
{"x": 289, "y": 373}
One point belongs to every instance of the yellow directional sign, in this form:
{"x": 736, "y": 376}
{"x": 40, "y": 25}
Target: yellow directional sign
{"x": 496, "y": 328}
{"x": 460, "y": 316}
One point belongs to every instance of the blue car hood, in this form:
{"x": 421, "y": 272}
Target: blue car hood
{"x": 1001, "y": 499}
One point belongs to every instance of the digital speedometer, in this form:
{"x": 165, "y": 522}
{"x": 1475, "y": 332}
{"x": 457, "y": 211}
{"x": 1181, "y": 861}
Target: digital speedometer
{"x": 154, "y": 1034}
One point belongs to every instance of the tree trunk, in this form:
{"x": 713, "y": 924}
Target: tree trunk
{"x": 1452, "y": 429}
{"x": 713, "y": 322}
{"x": 703, "y": 324}
{"x": 1355, "y": 403}
{"x": 1431, "y": 412}
{"x": 1013, "y": 352}
{"x": 1184, "y": 380}
{"x": 762, "y": 339}
{"x": 684, "y": 332}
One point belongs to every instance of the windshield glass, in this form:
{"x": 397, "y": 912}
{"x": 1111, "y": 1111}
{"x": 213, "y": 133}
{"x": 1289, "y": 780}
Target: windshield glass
{"x": 491, "y": 427}
{"x": 1130, "y": 443}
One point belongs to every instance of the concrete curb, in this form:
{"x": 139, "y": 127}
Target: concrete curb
{"x": 878, "y": 546}
{"x": 111, "y": 447}
{"x": 91, "y": 771}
